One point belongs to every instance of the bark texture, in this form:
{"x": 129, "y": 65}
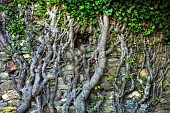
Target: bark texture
{"x": 47, "y": 44}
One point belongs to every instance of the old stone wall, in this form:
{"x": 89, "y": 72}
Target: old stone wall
{"x": 9, "y": 98}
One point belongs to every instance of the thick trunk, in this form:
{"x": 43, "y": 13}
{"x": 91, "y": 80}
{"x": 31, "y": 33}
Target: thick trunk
{"x": 26, "y": 100}
{"x": 80, "y": 100}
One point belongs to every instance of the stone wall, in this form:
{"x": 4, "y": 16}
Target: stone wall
{"x": 9, "y": 98}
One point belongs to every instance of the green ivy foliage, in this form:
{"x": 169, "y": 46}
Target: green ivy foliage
{"x": 15, "y": 24}
{"x": 141, "y": 16}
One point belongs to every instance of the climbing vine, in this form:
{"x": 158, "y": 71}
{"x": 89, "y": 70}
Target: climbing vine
{"x": 42, "y": 37}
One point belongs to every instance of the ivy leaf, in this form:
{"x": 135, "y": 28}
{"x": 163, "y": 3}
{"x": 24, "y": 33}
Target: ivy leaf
{"x": 155, "y": 6}
{"x": 81, "y": 7}
{"x": 160, "y": 25}
{"x": 143, "y": 9}
{"x": 120, "y": 18}
{"x": 153, "y": 26}
{"x": 97, "y": 2}
{"x": 125, "y": 19}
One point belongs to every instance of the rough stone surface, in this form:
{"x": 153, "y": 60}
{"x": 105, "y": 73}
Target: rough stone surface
{"x": 135, "y": 94}
{"x": 11, "y": 94}
{"x": 6, "y": 85}
{"x": 14, "y": 102}
{"x": 144, "y": 73}
{"x": 3, "y": 57}
{"x": 3, "y": 76}
{"x": 3, "y": 104}
{"x": 2, "y": 67}
{"x": 10, "y": 98}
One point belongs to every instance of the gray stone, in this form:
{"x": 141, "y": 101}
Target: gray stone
{"x": 81, "y": 77}
{"x": 34, "y": 111}
{"x": 60, "y": 81}
{"x": 151, "y": 109}
{"x": 11, "y": 94}
{"x": 114, "y": 55}
{"x": 7, "y": 109}
{"x": 77, "y": 52}
{"x": 63, "y": 87}
{"x": 3, "y": 57}
{"x": 105, "y": 83}
{"x": 108, "y": 102}
{"x": 129, "y": 106}
{"x": 40, "y": 39}
{"x": 4, "y": 76}
{"x": 108, "y": 109}
{"x": 119, "y": 50}
{"x": 161, "y": 111}
{"x": 27, "y": 56}
{"x": 14, "y": 102}
{"x": 129, "y": 101}
{"x": 7, "y": 85}
{"x": 123, "y": 70}
{"x": 69, "y": 67}
{"x": 68, "y": 79}
{"x": 58, "y": 103}
{"x": 112, "y": 60}
{"x": 3, "y": 104}
{"x": 67, "y": 72}
{"x": 59, "y": 109}
{"x": 1, "y": 93}
{"x": 134, "y": 94}
{"x": 2, "y": 66}
{"x": 68, "y": 54}
{"x": 143, "y": 107}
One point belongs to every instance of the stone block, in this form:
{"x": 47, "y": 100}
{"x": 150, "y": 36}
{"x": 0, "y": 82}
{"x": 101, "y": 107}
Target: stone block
{"x": 3, "y": 57}
{"x": 14, "y": 102}
{"x": 67, "y": 72}
{"x": 7, "y": 109}
{"x": 2, "y": 66}
{"x": 68, "y": 79}
{"x": 68, "y": 55}
{"x": 3, "y": 104}
{"x": 60, "y": 81}
{"x": 144, "y": 73}
{"x": 3, "y": 76}
{"x": 11, "y": 94}
{"x": 59, "y": 109}
{"x": 135, "y": 94}
{"x": 34, "y": 111}
{"x": 108, "y": 109}
{"x": 112, "y": 62}
{"x": 7, "y": 85}
{"x": 81, "y": 77}
{"x": 63, "y": 87}
{"x": 105, "y": 82}
{"x": 69, "y": 67}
